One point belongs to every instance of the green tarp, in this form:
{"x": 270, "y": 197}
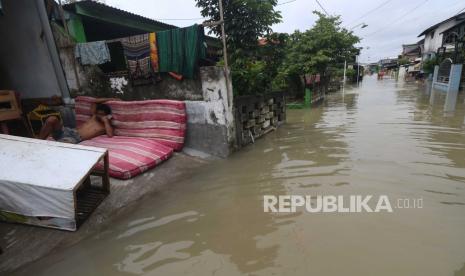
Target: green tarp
{"x": 179, "y": 50}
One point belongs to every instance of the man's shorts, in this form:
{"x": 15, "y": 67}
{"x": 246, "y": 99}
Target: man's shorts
{"x": 67, "y": 135}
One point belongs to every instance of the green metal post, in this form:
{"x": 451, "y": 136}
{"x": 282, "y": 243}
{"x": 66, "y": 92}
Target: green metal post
{"x": 308, "y": 97}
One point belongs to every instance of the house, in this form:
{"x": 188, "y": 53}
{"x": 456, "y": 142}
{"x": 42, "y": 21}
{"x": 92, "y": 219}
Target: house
{"x": 443, "y": 34}
{"x": 412, "y": 51}
{"x": 387, "y": 63}
{"x": 88, "y": 21}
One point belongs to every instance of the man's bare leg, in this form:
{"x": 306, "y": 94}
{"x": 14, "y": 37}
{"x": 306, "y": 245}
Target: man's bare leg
{"x": 51, "y": 124}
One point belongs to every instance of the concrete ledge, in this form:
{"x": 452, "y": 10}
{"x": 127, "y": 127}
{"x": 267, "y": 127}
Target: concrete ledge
{"x": 211, "y": 139}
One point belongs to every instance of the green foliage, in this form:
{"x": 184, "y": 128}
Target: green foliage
{"x": 428, "y": 65}
{"x": 244, "y": 22}
{"x": 248, "y": 76}
{"x": 319, "y": 50}
{"x": 253, "y": 67}
{"x": 351, "y": 73}
{"x": 403, "y": 61}
{"x": 256, "y": 75}
{"x": 326, "y": 44}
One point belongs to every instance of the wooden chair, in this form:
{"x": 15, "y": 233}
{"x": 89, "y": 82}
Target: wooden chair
{"x": 10, "y": 109}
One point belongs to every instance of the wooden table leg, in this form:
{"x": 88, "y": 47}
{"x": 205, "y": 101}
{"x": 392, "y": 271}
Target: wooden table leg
{"x": 105, "y": 176}
{"x": 4, "y": 128}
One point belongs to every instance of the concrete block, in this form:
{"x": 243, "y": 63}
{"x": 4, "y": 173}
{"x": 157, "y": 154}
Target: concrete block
{"x": 257, "y": 130}
{"x": 244, "y": 117}
{"x": 250, "y": 123}
{"x": 264, "y": 110}
{"x": 266, "y": 124}
{"x": 254, "y": 114}
{"x": 260, "y": 119}
{"x": 274, "y": 121}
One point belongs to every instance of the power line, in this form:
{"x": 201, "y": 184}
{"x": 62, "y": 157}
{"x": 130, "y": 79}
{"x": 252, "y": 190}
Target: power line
{"x": 283, "y": 3}
{"x": 321, "y": 6}
{"x": 370, "y": 11}
{"x": 460, "y": 11}
{"x": 398, "y": 19}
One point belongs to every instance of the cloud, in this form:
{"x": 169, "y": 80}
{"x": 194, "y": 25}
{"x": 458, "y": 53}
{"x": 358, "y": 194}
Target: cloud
{"x": 394, "y": 24}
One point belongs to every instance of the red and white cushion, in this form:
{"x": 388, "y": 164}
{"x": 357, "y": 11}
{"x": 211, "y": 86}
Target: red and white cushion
{"x": 130, "y": 156}
{"x": 161, "y": 120}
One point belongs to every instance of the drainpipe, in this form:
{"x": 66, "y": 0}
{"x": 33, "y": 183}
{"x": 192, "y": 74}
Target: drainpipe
{"x": 52, "y": 50}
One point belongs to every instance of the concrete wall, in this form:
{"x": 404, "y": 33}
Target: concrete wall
{"x": 29, "y": 60}
{"x": 210, "y": 126}
{"x": 94, "y": 82}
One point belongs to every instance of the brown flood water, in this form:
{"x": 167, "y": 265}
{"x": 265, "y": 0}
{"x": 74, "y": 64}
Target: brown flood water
{"x": 383, "y": 138}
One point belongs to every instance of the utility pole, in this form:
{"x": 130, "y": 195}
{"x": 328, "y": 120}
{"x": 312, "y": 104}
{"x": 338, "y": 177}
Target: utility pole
{"x": 345, "y": 68}
{"x": 225, "y": 52}
{"x": 225, "y": 56}
{"x": 358, "y": 68}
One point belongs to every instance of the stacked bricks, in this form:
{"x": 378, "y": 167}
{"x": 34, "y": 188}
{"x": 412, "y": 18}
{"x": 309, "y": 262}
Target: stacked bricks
{"x": 258, "y": 115}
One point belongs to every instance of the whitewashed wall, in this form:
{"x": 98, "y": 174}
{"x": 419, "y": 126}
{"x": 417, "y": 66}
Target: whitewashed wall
{"x": 433, "y": 43}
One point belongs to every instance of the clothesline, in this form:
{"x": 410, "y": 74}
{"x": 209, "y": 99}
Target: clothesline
{"x": 177, "y": 50}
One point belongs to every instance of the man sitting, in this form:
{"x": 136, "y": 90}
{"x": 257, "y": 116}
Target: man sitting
{"x": 97, "y": 125}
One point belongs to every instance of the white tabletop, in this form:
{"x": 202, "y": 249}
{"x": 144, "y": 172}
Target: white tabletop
{"x": 45, "y": 163}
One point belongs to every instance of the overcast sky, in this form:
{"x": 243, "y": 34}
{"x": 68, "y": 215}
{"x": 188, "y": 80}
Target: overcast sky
{"x": 394, "y": 23}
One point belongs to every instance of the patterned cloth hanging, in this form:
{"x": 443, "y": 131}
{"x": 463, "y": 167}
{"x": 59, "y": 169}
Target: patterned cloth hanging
{"x": 137, "y": 52}
{"x": 154, "y": 52}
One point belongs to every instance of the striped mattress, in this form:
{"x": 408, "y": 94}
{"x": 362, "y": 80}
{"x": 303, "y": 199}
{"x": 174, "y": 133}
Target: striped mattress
{"x": 146, "y": 133}
{"x": 161, "y": 120}
{"x": 129, "y": 156}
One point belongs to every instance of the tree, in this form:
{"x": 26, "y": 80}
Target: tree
{"x": 403, "y": 60}
{"x": 319, "y": 50}
{"x": 244, "y": 22}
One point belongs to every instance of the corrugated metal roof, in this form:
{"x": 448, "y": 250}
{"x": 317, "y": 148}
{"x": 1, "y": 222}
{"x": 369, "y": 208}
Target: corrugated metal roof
{"x": 460, "y": 16}
{"x": 96, "y": 5}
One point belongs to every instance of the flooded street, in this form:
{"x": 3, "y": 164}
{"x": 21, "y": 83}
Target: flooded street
{"x": 384, "y": 138}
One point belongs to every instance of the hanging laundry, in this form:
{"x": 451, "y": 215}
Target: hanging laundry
{"x": 179, "y": 50}
{"x": 154, "y": 52}
{"x": 170, "y": 51}
{"x": 92, "y": 53}
{"x": 137, "y": 52}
